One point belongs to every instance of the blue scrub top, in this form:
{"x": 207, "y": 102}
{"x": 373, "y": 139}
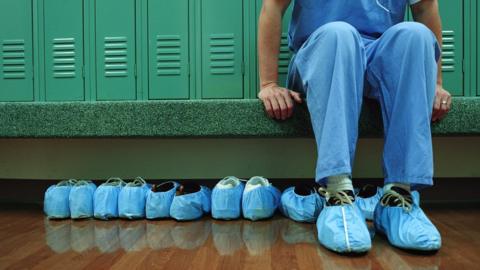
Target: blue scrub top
{"x": 370, "y": 17}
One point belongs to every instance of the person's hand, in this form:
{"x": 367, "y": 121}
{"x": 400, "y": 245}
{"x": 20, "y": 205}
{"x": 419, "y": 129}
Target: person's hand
{"x": 278, "y": 101}
{"x": 442, "y": 105}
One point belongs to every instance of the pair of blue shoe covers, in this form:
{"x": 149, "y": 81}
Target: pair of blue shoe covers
{"x": 341, "y": 225}
{"x": 256, "y": 200}
{"x": 181, "y": 202}
{"x": 70, "y": 199}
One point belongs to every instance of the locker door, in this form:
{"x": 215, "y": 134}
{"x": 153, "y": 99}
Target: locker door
{"x": 168, "y": 49}
{"x": 222, "y": 52}
{"x": 284, "y": 55}
{"x": 16, "y": 53}
{"x": 115, "y": 49}
{"x": 477, "y": 17}
{"x": 452, "y": 49}
{"x": 64, "y": 50}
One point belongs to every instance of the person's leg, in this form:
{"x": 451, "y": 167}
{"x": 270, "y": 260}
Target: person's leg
{"x": 330, "y": 68}
{"x": 402, "y": 70}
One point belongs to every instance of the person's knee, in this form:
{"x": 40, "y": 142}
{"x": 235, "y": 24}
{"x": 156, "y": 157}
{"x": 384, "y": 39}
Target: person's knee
{"x": 338, "y": 30}
{"x": 413, "y": 32}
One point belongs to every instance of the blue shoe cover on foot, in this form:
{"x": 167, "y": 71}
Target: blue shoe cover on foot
{"x": 55, "y": 203}
{"x": 81, "y": 199}
{"x": 407, "y": 226}
{"x": 260, "y": 199}
{"x": 367, "y": 204}
{"x": 159, "y": 200}
{"x": 131, "y": 199}
{"x": 342, "y": 228}
{"x": 191, "y": 202}
{"x": 105, "y": 199}
{"x": 227, "y": 198}
{"x": 301, "y": 203}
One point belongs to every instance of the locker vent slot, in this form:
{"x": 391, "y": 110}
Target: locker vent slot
{"x": 168, "y": 55}
{"x": 64, "y": 58}
{"x": 116, "y": 55}
{"x": 448, "y": 51}
{"x": 284, "y": 56}
{"x": 222, "y": 54}
{"x": 13, "y": 52}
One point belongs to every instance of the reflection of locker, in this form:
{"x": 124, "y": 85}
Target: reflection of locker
{"x": 115, "y": 49}
{"x": 452, "y": 49}
{"x": 168, "y": 49}
{"x": 16, "y": 53}
{"x": 63, "y": 24}
{"x": 222, "y": 51}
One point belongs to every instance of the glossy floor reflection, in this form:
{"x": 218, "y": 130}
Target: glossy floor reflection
{"x": 28, "y": 240}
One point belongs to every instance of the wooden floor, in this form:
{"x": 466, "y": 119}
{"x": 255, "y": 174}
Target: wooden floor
{"x": 27, "y": 240}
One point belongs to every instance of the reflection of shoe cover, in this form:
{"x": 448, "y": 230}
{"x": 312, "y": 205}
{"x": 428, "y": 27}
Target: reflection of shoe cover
{"x": 341, "y": 226}
{"x": 106, "y": 236}
{"x": 301, "y": 203}
{"x": 132, "y": 236}
{"x": 190, "y": 202}
{"x": 367, "y": 199}
{"x": 159, "y": 234}
{"x": 259, "y": 237}
{"x": 57, "y": 235}
{"x": 227, "y": 198}
{"x": 55, "y": 204}
{"x": 260, "y": 199}
{"x": 159, "y": 200}
{"x": 82, "y": 237}
{"x": 227, "y": 237}
{"x": 81, "y": 199}
{"x": 131, "y": 199}
{"x": 295, "y": 233}
{"x": 105, "y": 199}
{"x": 405, "y": 224}
{"x": 191, "y": 235}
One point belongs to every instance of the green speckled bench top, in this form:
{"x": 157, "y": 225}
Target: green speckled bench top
{"x": 193, "y": 118}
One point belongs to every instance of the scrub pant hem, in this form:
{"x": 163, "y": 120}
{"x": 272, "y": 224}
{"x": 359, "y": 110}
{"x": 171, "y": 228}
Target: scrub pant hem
{"x": 322, "y": 178}
{"x": 415, "y": 183}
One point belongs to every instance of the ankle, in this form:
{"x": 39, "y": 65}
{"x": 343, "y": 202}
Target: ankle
{"x": 340, "y": 182}
{"x": 403, "y": 186}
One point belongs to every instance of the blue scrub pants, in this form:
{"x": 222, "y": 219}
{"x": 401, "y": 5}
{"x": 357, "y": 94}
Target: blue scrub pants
{"x": 336, "y": 67}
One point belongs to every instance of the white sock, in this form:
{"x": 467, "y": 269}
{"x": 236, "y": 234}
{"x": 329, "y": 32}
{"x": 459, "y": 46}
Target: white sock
{"x": 396, "y": 184}
{"x": 339, "y": 182}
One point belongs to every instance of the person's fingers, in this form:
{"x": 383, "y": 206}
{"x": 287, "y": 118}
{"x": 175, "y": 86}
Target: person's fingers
{"x": 283, "y": 106}
{"x": 276, "y": 107}
{"x": 449, "y": 102}
{"x": 296, "y": 96}
{"x": 289, "y": 102}
{"x": 268, "y": 108}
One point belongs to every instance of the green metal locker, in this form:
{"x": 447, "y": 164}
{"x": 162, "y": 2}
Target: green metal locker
{"x": 285, "y": 55}
{"x": 168, "y": 49}
{"x": 477, "y": 18}
{"x": 453, "y": 47}
{"x": 222, "y": 51}
{"x": 63, "y": 24}
{"x": 16, "y": 55}
{"x": 115, "y": 49}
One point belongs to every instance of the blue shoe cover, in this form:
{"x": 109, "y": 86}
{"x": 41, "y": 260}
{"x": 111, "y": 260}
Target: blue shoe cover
{"x": 191, "y": 202}
{"x": 407, "y": 227}
{"x": 367, "y": 204}
{"x": 106, "y": 236}
{"x": 301, "y": 203}
{"x": 105, "y": 199}
{"x": 342, "y": 228}
{"x": 227, "y": 237}
{"x": 191, "y": 235}
{"x": 260, "y": 199}
{"x": 131, "y": 199}
{"x": 55, "y": 203}
{"x": 227, "y": 198}
{"x": 159, "y": 200}
{"x": 81, "y": 199}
